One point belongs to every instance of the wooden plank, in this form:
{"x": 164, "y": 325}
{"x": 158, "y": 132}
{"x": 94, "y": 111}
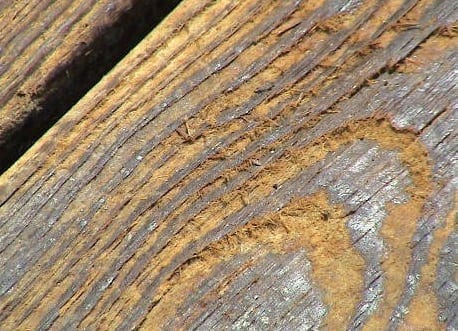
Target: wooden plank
{"x": 264, "y": 164}
{"x": 53, "y": 52}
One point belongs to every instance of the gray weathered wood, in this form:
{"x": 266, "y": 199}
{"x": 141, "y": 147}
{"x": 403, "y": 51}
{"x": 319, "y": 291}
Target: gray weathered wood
{"x": 252, "y": 164}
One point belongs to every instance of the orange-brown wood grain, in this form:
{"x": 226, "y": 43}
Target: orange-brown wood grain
{"x": 249, "y": 164}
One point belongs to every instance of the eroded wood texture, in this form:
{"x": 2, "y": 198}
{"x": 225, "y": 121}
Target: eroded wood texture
{"x": 253, "y": 164}
{"x": 52, "y": 52}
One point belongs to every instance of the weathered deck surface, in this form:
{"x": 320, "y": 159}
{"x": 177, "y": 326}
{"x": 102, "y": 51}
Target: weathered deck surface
{"x": 251, "y": 164}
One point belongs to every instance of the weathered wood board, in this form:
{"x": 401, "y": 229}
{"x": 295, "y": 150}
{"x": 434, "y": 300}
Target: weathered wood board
{"x": 250, "y": 165}
{"x": 52, "y": 52}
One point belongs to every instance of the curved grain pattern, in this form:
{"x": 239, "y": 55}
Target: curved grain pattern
{"x": 270, "y": 164}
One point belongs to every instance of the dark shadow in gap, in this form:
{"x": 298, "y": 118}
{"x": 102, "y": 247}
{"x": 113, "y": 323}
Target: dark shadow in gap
{"x": 68, "y": 83}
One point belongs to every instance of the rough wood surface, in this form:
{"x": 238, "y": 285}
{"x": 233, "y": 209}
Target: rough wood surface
{"x": 52, "y": 52}
{"x": 250, "y": 165}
